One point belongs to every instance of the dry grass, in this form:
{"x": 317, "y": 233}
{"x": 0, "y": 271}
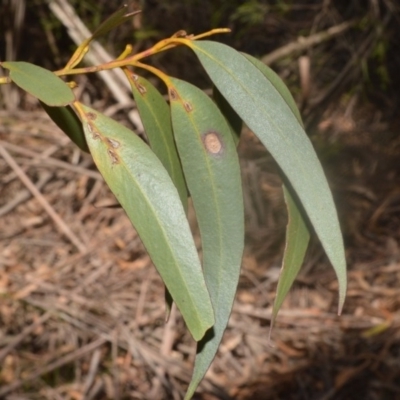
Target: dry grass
{"x": 89, "y": 323}
{"x": 82, "y": 307}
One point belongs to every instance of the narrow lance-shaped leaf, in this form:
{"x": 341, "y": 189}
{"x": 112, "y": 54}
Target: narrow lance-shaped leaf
{"x": 146, "y": 192}
{"x": 297, "y": 232}
{"x": 234, "y": 121}
{"x": 156, "y": 118}
{"x": 119, "y": 17}
{"x": 211, "y": 167}
{"x": 66, "y": 119}
{"x": 40, "y": 82}
{"x": 278, "y": 84}
{"x": 114, "y": 20}
{"x": 260, "y": 106}
{"x": 297, "y": 238}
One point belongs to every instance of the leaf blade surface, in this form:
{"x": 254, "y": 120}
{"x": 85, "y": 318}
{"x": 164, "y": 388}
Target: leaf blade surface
{"x": 211, "y": 167}
{"x": 40, "y": 82}
{"x": 297, "y": 232}
{"x": 67, "y": 120}
{"x": 258, "y": 103}
{"x": 156, "y": 118}
{"x": 297, "y": 239}
{"x": 151, "y": 201}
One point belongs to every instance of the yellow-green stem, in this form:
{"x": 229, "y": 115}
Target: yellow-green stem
{"x": 164, "y": 77}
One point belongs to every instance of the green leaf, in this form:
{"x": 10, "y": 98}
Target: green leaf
{"x": 145, "y": 191}
{"x": 211, "y": 167}
{"x": 278, "y": 84}
{"x": 156, "y": 118}
{"x": 297, "y": 238}
{"x": 297, "y": 232}
{"x": 258, "y": 103}
{"x": 114, "y": 20}
{"x": 169, "y": 301}
{"x": 234, "y": 121}
{"x": 119, "y": 17}
{"x": 40, "y": 82}
{"x": 66, "y": 119}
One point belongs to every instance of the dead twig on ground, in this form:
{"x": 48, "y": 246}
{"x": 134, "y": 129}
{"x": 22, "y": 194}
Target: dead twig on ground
{"x": 64, "y": 228}
{"x": 51, "y": 162}
{"x": 303, "y": 43}
{"x": 27, "y": 331}
{"x": 24, "y": 195}
{"x": 75, "y": 355}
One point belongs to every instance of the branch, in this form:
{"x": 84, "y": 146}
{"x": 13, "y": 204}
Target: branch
{"x": 303, "y": 43}
{"x": 114, "y": 79}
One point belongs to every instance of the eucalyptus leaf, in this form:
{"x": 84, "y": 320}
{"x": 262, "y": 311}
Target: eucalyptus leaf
{"x": 156, "y": 118}
{"x": 297, "y": 232}
{"x": 147, "y": 194}
{"x": 40, "y": 82}
{"x": 117, "y": 18}
{"x": 211, "y": 167}
{"x": 278, "y": 84}
{"x": 66, "y": 119}
{"x": 234, "y": 121}
{"x": 297, "y": 239}
{"x": 258, "y": 103}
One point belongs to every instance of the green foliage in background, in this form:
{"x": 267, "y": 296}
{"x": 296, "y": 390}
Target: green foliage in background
{"x": 192, "y": 153}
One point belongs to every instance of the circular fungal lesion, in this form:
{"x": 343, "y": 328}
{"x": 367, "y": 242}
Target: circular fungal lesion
{"x": 92, "y": 131}
{"x": 91, "y": 116}
{"x": 173, "y": 94}
{"x": 113, "y": 156}
{"x": 188, "y": 106}
{"x": 142, "y": 90}
{"x": 114, "y": 143}
{"x": 212, "y": 142}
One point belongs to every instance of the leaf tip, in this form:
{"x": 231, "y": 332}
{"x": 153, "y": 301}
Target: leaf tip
{"x": 342, "y": 298}
{"x": 271, "y": 327}
{"x": 342, "y": 279}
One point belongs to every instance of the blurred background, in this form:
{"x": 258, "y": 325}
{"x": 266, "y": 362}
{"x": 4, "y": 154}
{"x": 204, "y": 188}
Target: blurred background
{"x": 81, "y": 314}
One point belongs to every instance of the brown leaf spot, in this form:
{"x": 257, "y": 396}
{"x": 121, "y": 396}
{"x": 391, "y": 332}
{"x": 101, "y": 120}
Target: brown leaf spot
{"x": 212, "y": 142}
{"x": 91, "y": 116}
{"x": 113, "y": 156}
{"x": 114, "y": 143}
{"x": 188, "y": 106}
{"x": 172, "y": 94}
{"x": 140, "y": 88}
{"x": 92, "y": 130}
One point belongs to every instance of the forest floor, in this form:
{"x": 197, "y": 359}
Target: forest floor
{"x": 82, "y": 316}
